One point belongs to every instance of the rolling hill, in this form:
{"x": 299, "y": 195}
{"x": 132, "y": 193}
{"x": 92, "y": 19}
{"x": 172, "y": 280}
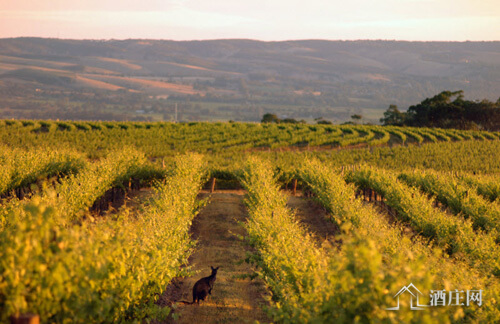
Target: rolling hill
{"x": 311, "y": 75}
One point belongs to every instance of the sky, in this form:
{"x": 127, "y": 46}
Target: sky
{"x": 269, "y": 20}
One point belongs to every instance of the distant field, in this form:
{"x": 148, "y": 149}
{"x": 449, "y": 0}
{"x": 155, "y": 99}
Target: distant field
{"x": 165, "y": 139}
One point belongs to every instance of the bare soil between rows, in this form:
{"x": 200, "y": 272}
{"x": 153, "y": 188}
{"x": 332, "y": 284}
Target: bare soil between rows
{"x": 216, "y": 229}
{"x": 233, "y": 300}
{"x": 314, "y": 218}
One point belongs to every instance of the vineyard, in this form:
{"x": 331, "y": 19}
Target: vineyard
{"x": 105, "y": 222}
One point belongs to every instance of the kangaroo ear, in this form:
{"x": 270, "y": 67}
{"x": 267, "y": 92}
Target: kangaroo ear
{"x": 212, "y": 268}
{"x": 217, "y": 268}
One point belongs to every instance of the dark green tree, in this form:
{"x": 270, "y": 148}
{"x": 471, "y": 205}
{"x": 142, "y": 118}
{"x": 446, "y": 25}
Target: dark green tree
{"x": 436, "y": 111}
{"x": 449, "y": 109}
{"x": 356, "y": 118}
{"x": 392, "y": 116}
{"x": 322, "y": 121}
{"x": 270, "y": 118}
{"x": 289, "y": 121}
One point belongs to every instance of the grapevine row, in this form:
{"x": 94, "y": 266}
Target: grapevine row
{"x": 456, "y": 235}
{"x": 312, "y": 284}
{"x": 104, "y": 271}
{"x": 75, "y": 194}
{"x": 20, "y": 168}
{"x": 92, "y": 137}
{"x": 487, "y": 187}
{"x": 338, "y": 198}
{"x": 458, "y": 198}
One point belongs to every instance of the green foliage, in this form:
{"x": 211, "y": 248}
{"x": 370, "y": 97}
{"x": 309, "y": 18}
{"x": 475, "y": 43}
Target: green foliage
{"x": 226, "y": 138}
{"x": 393, "y": 117}
{"x": 356, "y": 117}
{"x": 312, "y": 284}
{"x": 21, "y": 168}
{"x": 76, "y": 193}
{"x": 11, "y": 123}
{"x": 385, "y": 137}
{"x": 64, "y": 126}
{"x": 486, "y": 186}
{"x": 82, "y": 126}
{"x": 444, "y": 111}
{"x": 458, "y": 198}
{"x": 351, "y": 281}
{"x": 26, "y": 123}
{"x": 452, "y": 234}
{"x": 270, "y": 118}
{"x": 331, "y": 192}
{"x": 402, "y": 136}
{"x": 106, "y": 270}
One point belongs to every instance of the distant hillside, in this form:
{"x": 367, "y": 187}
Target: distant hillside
{"x": 335, "y": 75}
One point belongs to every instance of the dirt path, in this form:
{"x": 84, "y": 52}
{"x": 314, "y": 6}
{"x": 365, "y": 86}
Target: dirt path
{"x": 233, "y": 300}
{"x": 313, "y": 217}
{"x": 135, "y": 199}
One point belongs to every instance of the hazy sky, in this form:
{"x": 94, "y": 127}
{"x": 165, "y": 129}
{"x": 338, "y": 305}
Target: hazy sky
{"x": 456, "y": 20}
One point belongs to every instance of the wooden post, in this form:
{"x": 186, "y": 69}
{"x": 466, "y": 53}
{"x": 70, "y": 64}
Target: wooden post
{"x": 294, "y": 187}
{"x": 25, "y": 319}
{"x": 213, "y": 185}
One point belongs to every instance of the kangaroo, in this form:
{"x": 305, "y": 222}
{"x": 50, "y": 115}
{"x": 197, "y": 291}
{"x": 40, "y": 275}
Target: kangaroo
{"x": 203, "y": 287}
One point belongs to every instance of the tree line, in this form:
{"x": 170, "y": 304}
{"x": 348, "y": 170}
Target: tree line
{"x": 448, "y": 109}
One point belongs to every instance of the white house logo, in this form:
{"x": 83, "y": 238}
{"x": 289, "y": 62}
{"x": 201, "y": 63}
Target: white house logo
{"x": 438, "y": 297}
{"x": 414, "y": 297}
